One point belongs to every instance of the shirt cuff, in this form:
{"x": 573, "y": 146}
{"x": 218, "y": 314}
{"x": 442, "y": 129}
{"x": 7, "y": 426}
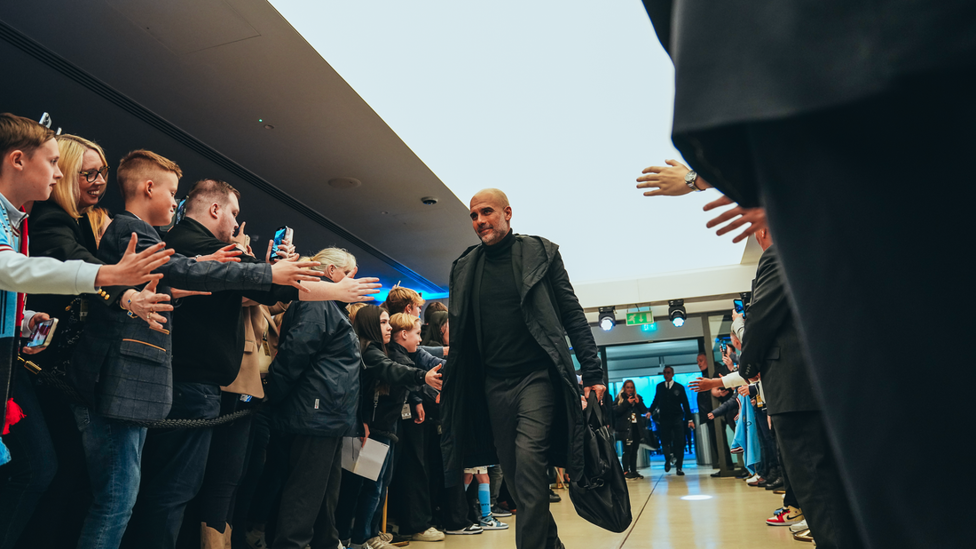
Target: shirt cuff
{"x": 25, "y": 326}
{"x": 85, "y": 278}
{"x": 733, "y": 380}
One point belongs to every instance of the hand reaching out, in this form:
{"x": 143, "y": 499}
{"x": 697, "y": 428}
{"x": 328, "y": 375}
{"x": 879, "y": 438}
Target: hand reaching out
{"x": 667, "y": 180}
{"x": 147, "y": 304}
{"x": 227, "y": 254}
{"x": 702, "y": 384}
{"x": 737, "y": 217}
{"x": 433, "y": 378}
{"x": 293, "y": 273}
{"x": 134, "y": 268}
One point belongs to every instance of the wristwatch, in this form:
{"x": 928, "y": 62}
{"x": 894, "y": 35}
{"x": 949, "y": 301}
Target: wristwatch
{"x": 690, "y": 179}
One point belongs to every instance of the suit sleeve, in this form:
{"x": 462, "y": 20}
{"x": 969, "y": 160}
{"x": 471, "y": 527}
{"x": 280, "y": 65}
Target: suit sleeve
{"x": 52, "y": 238}
{"x": 303, "y": 333}
{"x": 654, "y": 401}
{"x": 769, "y": 309}
{"x": 685, "y": 406}
{"x": 660, "y": 13}
{"x": 575, "y": 324}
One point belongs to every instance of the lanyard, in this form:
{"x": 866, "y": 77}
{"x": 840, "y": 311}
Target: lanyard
{"x": 9, "y": 228}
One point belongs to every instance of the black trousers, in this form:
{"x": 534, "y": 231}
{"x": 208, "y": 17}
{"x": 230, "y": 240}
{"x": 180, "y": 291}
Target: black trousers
{"x": 672, "y": 433}
{"x": 815, "y": 479}
{"x": 630, "y": 450}
{"x": 862, "y": 234}
{"x": 173, "y": 465}
{"x": 308, "y": 501}
{"x": 770, "y": 456}
{"x": 66, "y": 500}
{"x": 410, "y": 488}
{"x": 225, "y": 465}
{"x": 521, "y": 412}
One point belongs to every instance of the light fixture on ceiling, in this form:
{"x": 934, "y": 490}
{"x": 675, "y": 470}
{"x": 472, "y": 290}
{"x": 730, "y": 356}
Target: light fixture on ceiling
{"x": 344, "y": 183}
{"x": 429, "y": 200}
{"x": 676, "y": 312}
{"x": 608, "y": 318}
{"x": 268, "y": 127}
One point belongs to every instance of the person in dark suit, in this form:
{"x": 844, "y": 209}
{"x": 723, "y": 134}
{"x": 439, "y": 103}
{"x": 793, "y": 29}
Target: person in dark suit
{"x": 860, "y": 95}
{"x": 772, "y": 349}
{"x": 512, "y": 306}
{"x": 671, "y": 401}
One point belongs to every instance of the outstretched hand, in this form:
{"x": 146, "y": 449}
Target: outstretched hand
{"x": 227, "y": 254}
{"x": 433, "y": 378}
{"x": 293, "y": 273}
{"x": 737, "y": 217}
{"x": 667, "y": 180}
{"x": 702, "y": 384}
{"x": 134, "y": 268}
{"x": 147, "y": 305}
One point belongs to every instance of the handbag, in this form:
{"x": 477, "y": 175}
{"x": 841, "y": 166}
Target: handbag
{"x": 600, "y": 495}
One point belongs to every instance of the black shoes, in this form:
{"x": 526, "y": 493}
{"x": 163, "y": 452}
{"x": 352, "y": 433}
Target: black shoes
{"x": 668, "y": 462}
{"x": 774, "y": 484}
{"x": 680, "y": 472}
{"x": 716, "y": 474}
{"x": 554, "y": 497}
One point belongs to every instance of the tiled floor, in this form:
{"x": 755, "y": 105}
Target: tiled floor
{"x": 733, "y": 517}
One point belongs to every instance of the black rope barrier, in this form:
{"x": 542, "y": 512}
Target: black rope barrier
{"x": 53, "y": 379}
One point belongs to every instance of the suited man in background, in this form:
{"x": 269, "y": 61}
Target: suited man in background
{"x": 771, "y": 347}
{"x": 671, "y": 401}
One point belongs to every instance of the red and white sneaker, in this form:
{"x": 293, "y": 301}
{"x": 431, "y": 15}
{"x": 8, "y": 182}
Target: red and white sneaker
{"x": 785, "y": 517}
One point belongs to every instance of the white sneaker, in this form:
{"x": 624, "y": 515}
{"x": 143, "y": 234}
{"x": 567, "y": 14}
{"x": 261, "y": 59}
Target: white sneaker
{"x": 377, "y": 543}
{"x": 753, "y": 478}
{"x": 430, "y": 534}
{"x": 491, "y": 523}
{"x": 466, "y": 531}
{"x": 799, "y": 527}
{"x": 386, "y": 536}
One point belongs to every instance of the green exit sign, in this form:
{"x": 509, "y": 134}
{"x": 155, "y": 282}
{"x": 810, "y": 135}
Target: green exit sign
{"x": 637, "y": 319}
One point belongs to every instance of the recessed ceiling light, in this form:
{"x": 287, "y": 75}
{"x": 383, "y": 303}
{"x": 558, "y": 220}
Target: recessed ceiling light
{"x": 344, "y": 183}
{"x": 429, "y": 200}
{"x": 268, "y": 127}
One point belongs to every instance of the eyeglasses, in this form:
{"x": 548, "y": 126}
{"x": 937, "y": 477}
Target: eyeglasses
{"x": 92, "y": 175}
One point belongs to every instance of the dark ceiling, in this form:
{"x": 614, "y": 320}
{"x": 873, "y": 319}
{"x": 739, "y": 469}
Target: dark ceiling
{"x": 198, "y": 81}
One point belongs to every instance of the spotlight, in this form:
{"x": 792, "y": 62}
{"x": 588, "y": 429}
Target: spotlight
{"x": 676, "y": 312}
{"x": 608, "y": 319}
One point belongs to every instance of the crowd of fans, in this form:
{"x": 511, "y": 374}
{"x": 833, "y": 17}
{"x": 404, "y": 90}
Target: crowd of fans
{"x": 143, "y": 425}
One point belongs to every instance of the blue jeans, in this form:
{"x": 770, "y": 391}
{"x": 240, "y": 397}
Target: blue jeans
{"x": 32, "y": 467}
{"x": 371, "y": 497}
{"x": 173, "y": 467}
{"x": 113, "y": 452}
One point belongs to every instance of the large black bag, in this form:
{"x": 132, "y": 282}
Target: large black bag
{"x": 600, "y": 495}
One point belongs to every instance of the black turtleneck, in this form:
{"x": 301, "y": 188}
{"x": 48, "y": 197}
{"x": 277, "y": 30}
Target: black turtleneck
{"x": 508, "y": 349}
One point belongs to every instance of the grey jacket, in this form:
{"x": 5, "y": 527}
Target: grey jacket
{"x": 123, "y": 367}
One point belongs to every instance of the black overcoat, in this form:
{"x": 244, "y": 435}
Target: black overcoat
{"x": 551, "y": 311}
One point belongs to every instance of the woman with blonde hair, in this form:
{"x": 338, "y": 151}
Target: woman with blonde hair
{"x": 60, "y": 229}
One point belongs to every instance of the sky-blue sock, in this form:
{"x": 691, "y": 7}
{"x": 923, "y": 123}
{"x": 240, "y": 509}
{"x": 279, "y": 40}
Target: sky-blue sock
{"x": 484, "y": 498}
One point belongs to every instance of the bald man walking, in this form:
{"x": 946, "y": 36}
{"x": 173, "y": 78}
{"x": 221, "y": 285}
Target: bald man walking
{"x": 511, "y": 305}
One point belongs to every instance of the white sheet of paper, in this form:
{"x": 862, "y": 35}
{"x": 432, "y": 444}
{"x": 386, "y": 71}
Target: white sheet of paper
{"x": 365, "y": 461}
